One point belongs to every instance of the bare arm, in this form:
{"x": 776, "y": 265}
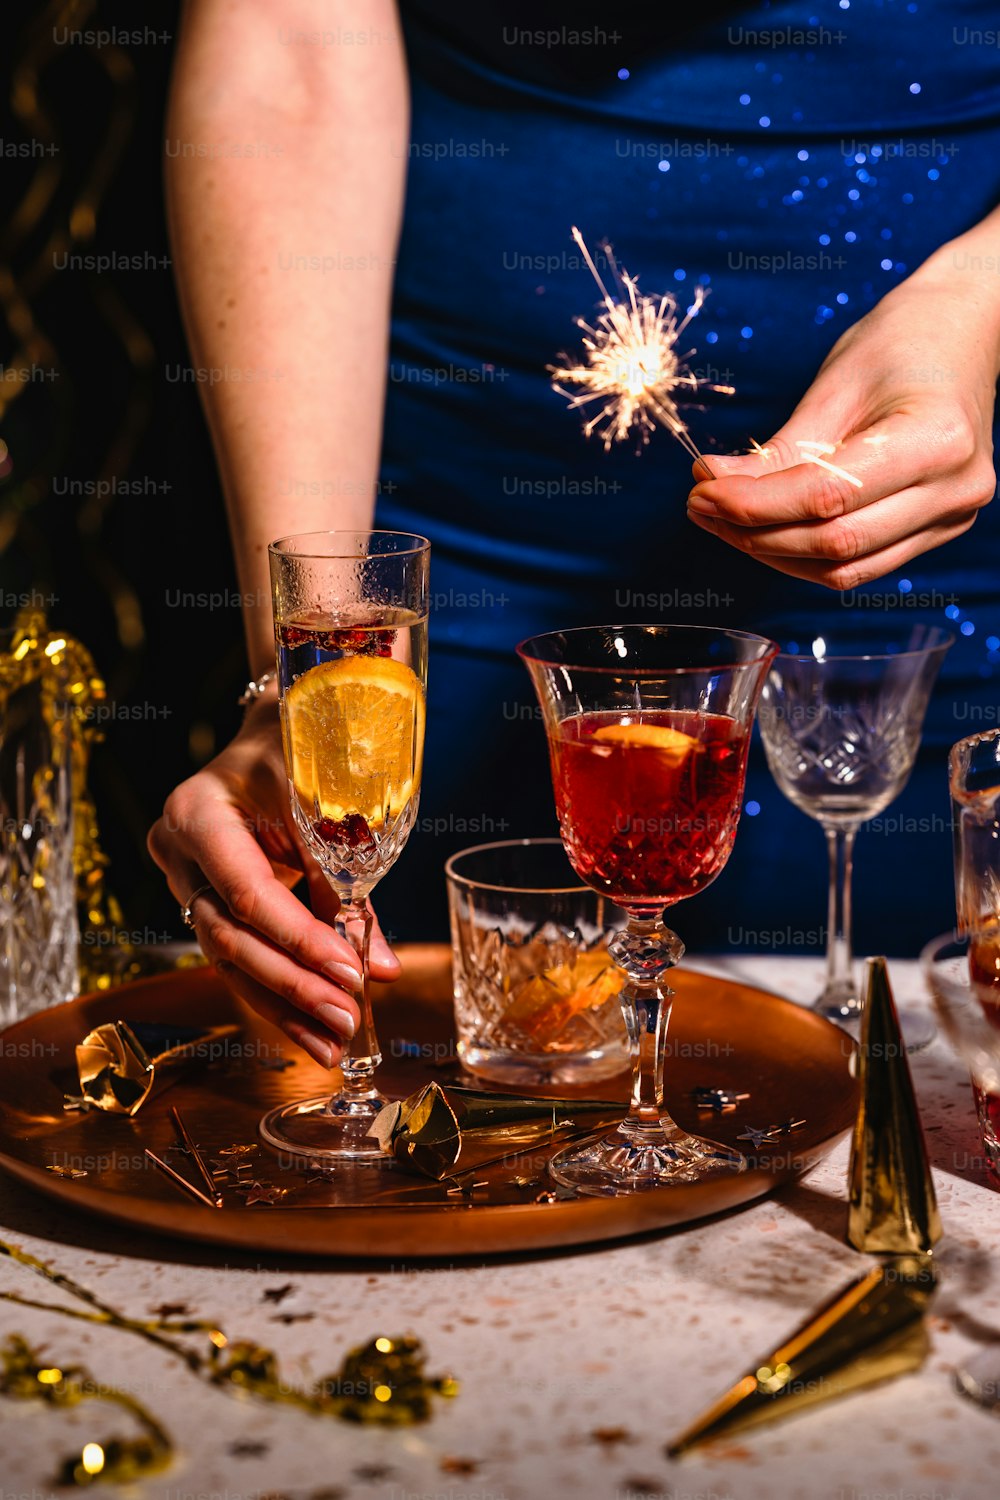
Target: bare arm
{"x": 286, "y": 154}
{"x": 285, "y": 168}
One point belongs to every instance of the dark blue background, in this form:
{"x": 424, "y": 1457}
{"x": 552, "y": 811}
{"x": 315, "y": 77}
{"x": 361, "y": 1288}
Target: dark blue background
{"x": 533, "y": 526}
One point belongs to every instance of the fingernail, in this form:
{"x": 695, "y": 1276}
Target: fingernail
{"x": 345, "y": 975}
{"x": 381, "y": 951}
{"x": 336, "y": 1018}
{"x": 320, "y": 1051}
{"x": 702, "y": 507}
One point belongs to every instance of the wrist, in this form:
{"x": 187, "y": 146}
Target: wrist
{"x": 963, "y": 275}
{"x": 260, "y": 686}
{"x": 259, "y": 701}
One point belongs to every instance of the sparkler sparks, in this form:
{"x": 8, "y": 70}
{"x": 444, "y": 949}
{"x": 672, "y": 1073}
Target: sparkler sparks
{"x": 631, "y": 364}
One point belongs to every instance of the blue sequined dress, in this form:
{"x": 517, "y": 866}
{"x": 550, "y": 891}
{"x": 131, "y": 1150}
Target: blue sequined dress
{"x": 798, "y": 159}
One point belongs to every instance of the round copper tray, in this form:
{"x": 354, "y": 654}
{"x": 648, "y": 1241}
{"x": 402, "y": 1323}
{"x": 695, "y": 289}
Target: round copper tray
{"x": 793, "y": 1064}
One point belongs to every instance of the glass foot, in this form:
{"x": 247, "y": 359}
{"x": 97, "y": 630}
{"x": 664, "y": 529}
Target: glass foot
{"x": 841, "y": 1004}
{"x": 979, "y": 1379}
{"x": 918, "y": 1029}
{"x": 326, "y": 1129}
{"x": 635, "y": 1161}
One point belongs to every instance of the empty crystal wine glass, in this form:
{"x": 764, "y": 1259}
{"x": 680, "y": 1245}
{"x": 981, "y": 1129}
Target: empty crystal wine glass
{"x": 841, "y": 723}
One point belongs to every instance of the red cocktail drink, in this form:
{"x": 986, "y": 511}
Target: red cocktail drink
{"x": 648, "y": 803}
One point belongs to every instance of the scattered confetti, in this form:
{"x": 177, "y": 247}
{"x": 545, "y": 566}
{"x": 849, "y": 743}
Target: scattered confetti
{"x": 608, "y": 1437}
{"x": 265, "y": 1193}
{"x": 248, "y": 1448}
{"x": 462, "y": 1466}
{"x": 721, "y": 1101}
{"x": 770, "y": 1133}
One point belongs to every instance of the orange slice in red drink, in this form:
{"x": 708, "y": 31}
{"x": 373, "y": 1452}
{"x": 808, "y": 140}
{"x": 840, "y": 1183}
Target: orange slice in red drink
{"x": 672, "y": 743}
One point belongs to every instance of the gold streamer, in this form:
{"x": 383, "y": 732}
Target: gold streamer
{"x": 24, "y": 1377}
{"x": 383, "y": 1381}
{"x": 66, "y": 673}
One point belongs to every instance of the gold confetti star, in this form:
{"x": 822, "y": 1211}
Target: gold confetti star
{"x": 278, "y": 1294}
{"x": 264, "y": 1193}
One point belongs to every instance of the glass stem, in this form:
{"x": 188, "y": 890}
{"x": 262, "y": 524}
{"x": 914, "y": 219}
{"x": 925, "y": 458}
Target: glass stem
{"x": 644, "y": 952}
{"x": 362, "y": 1054}
{"x": 839, "y": 951}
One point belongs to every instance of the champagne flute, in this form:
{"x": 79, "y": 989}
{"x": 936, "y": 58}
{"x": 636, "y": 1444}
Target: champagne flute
{"x": 841, "y": 723}
{"x": 648, "y": 729}
{"x": 350, "y": 623}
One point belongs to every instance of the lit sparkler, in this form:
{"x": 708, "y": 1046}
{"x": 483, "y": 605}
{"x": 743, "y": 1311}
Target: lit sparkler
{"x": 631, "y": 364}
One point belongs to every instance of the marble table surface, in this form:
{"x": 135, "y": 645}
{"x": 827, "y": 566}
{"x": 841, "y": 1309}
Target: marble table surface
{"x": 549, "y": 1350}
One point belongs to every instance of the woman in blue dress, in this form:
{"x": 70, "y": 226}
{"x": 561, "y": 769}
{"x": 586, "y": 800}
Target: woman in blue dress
{"x": 396, "y": 247}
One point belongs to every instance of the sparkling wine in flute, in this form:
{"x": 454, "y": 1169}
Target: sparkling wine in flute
{"x": 352, "y": 715}
{"x": 350, "y": 626}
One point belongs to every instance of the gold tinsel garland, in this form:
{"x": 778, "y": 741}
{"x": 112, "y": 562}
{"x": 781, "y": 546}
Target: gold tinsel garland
{"x": 383, "y": 1381}
{"x": 72, "y": 698}
{"x": 25, "y": 1376}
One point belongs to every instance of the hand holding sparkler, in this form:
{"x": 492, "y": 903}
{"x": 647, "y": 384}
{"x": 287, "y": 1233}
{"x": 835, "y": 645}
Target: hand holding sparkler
{"x": 886, "y": 456}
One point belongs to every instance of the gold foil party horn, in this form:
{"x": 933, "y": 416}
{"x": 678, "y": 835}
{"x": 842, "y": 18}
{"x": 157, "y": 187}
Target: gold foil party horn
{"x": 893, "y": 1207}
{"x": 119, "y": 1063}
{"x": 437, "y": 1132}
{"x": 872, "y": 1331}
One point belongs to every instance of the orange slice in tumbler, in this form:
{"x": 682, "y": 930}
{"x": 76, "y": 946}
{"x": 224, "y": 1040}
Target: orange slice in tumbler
{"x": 671, "y": 742}
{"x": 354, "y": 738}
{"x": 546, "y": 1003}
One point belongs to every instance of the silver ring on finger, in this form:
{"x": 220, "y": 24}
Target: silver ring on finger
{"x": 187, "y": 912}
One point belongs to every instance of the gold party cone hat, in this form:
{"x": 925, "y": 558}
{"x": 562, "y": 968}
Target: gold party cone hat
{"x": 871, "y": 1331}
{"x": 893, "y": 1208}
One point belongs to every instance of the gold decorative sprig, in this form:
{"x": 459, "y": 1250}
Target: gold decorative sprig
{"x": 383, "y": 1381}
{"x": 24, "y": 1376}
